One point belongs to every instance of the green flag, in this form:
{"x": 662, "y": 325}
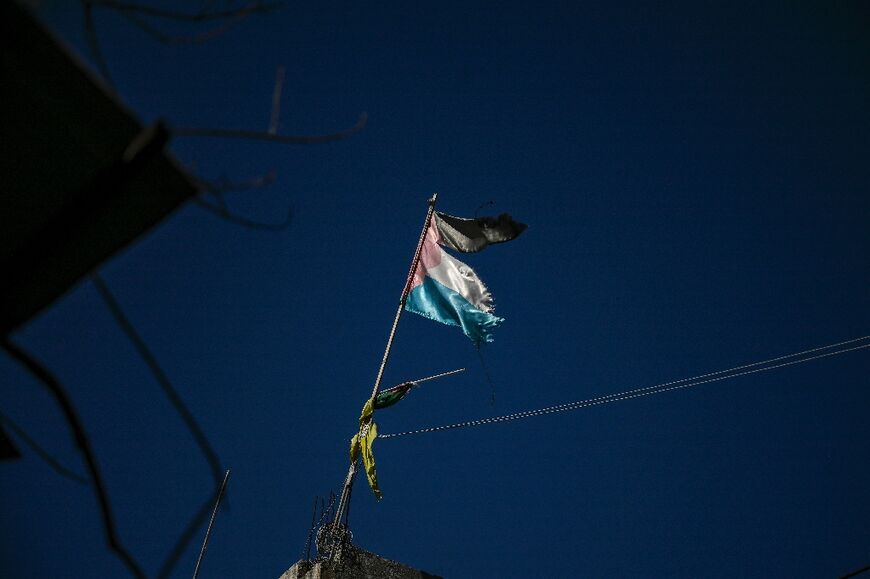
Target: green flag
{"x": 390, "y": 396}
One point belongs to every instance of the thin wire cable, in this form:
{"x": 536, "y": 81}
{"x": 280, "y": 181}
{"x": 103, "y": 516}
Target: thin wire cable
{"x": 741, "y": 367}
{"x": 658, "y": 389}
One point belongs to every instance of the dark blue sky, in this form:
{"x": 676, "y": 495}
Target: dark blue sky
{"x": 695, "y": 180}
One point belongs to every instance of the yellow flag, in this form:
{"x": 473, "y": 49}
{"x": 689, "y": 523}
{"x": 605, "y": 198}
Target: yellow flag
{"x": 367, "y": 412}
{"x": 362, "y": 443}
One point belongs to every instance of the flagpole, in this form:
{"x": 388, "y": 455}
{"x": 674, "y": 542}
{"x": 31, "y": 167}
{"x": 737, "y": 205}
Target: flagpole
{"x": 407, "y": 289}
{"x": 348, "y": 482}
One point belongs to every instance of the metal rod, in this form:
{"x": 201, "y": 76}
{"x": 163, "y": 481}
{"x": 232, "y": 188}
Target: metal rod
{"x": 426, "y": 379}
{"x": 405, "y": 291}
{"x": 345, "y": 491}
{"x": 214, "y": 513}
{"x": 436, "y": 376}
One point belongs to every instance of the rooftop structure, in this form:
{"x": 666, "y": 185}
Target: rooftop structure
{"x": 82, "y": 177}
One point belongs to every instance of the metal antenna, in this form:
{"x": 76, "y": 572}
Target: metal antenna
{"x": 217, "y": 505}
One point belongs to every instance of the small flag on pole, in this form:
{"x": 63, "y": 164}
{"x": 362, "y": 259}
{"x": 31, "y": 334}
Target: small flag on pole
{"x": 473, "y": 235}
{"x": 361, "y": 444}
{"x": 448, "y": 291}
{"x": 387, "y": 398}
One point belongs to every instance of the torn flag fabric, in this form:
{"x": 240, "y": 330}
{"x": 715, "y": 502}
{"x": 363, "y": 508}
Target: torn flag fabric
{"x": 448, "y": 291}
{"x": 362, "y": 443}
{"x": 472, "y": 235}
{"x": 387, "y": 398}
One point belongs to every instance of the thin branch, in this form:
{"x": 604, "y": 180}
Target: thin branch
{"x": 223, "y": 185}
{"x": 221, "y": 201}
{"x": 217, "y": 189}
{"x": 161, "y": 377}
{"x": 266, "y": 136}
{"x": 186, "y": 535}
{"x": 198, "y": 435}
{"x": 41, "y": 452}
{"x": 206, "y": 5}
{"x": 131, "y": 10}
{"x": 856, "y": 572}
{"x": 203, "y": 16}
{"x": 276, "y": 100}
{"x": 175, "y": 40}
{"x": 93, "y": 40}
{"x": 8, "y": 450}
{"x": 224, "y": 213}
{"x": 50, "y": 382}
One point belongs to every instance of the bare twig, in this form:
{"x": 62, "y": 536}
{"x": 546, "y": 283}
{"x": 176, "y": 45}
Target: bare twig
{"x": 266, "y": 136}
{"x": 41, "y": 452}
{"x": 51, "y": 383}
{"x": 276, "y": 100}
{"x": 171, "y": 393}
{"x": 202, "y": 16}
{"x": 221, "y": 201}
{"x": 8, "y": 450}
{"x": 132, "y": 10}
{"x": 223, "y": 185}
{"x": 856, "y": 572}
{"x": 218, "y": 188}
{"x": 176, "y": 40}
{"x": 161, "y": 377}
{"x": 197, "y": 433}
{"x": 94, "y": 43}
{"x": 185, "y": 537}
{"x": 206, "y": 5}
{"x": 224, "y": 213}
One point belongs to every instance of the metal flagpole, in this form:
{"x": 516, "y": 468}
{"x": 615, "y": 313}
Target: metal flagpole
{"x": 348, "y": 482}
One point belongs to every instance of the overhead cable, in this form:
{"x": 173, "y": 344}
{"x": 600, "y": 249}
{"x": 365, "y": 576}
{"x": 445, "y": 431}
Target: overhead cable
{"x": 743, "y": 370}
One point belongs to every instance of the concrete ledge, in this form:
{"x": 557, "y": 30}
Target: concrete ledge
{"x": 355, "y": 563}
